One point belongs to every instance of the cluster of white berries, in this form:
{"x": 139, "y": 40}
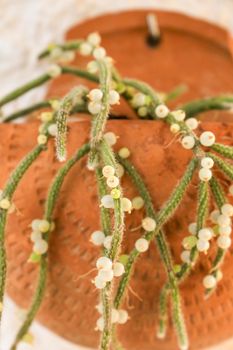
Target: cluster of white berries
{"x": 112, "y": 181}
{"x": 91, "y": 46}
{"x": 199, "y": 239}
{"x": 205, "y": 173}
{"x": 207, "y": 139}
{"x": 107, "y": 201}
{"x": 107, "y": 270}
{"x": 161, "y": 111}
{"x": 58, "y": 55}
{"x": 142, "y": 244}
{"x": 140, "y": 102}
{"x": 117, "y": 316}
{"x": 39, "y": 227}
{"x": 96, "y": 95}
{"x": 222, "y": 219}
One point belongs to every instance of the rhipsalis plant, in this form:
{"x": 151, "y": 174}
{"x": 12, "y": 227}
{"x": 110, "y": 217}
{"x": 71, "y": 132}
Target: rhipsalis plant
{"x": 112, "y": 276}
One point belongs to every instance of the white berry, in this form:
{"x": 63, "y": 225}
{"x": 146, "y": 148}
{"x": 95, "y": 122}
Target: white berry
{"x": 185, "y": 256}
{"x": 100, "y": 324}
{"x": 35, "y": 224}
{"x": 92, "y": 67}
{"x": 175, "y": 128}
{"x": 202, "y": 245}
{"x": 225, "y": 231}
{"x": 108, "y": 171}
{"x": 36, "y": 236}
{"x": 114, "y": 97}
{"x": 107, "y": 201}
{"x": 192, "y": 123}
{"x": 46, "y": 117}
{"x": 188, "y": 142}
{"x": 40, "y": 247}
{"x": 54, "y": 71}
{"x": 85, "y": 49}
{"x": 207, "y": 138}
{"x": 148, "y": 224}
{"x": 95, "y": 95}
{"x": 205, "y": 234}
{"x": 205, "y": 174}
{"x": 110, "y": 138}
{"x": 43, "y": 226}
{"x": 138, "y": 203}
{"x": 94, "y": 39}
{"x": 112, "y": 181}
{"x": 5, "y": 203}
{"x": 124, "y": 152}
{"x": 118, "y": 269}
{"x": 105, "y": 275}
{"x": 224, "y": 220}
{"x": 99, "y": 53}
{"x": 161, "y": 111}
{"x": 97, "y": 238}
{"x": 122, "y": 316}
{"x": 52, "y": 129}
{"x": 99, "y": 283}
{"x": 108, "y": 242}
{"x": 227, "y": 209}
{"x": 42, "y": 139}
{"x": 99, "y": 307}
{"x": 209, "y": 282}
{"x": 120, "y": 170}
{"x": 214, "y": 216}
{"x": 126, "y": 205}
{"x": 104, "y": 263}
{"x": 142, "y": 245}
{"x": 94, "y": 107}
{"x": 142, "y": 111}
{"x": 207, "y": 162}
{"x": 115, "y": 316}
{"x": 223, "y": 242}
{"x": 179, "y": 115}
{"x": 138, "y": 100}
{"x": 192, "y": 228}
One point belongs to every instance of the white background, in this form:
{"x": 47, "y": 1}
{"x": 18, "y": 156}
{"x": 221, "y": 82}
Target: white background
{"x": 26, "y": 27}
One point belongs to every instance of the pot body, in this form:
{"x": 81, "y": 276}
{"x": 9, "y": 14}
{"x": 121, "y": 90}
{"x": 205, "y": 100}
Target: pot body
{"x": 69, "y": 304}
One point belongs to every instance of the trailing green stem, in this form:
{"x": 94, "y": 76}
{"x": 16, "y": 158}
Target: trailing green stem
{"x": 8, "y": 193}
{"x": 202, "y": 212}
{"x": 106, "y": 296}
{"x": 162, "y": 244}
{"x": 71, "y": 45}
{"x": 25, "y": 88}
{"x": 203, "y": 105}
{"x": 62, "y": 114}
{"x": 220, "y": 200}
{"x": 162, "y": 217}
{"x": 49, "y": 208}
{"x": 99, "y": 120}
{"x": 224, "y": 166}
{"x": 226, "y": 151}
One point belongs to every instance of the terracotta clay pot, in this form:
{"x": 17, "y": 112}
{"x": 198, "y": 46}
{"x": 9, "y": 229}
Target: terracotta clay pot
{"x": 68, "y": 306}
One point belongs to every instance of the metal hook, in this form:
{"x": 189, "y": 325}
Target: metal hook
{"x": 154, "y": 35}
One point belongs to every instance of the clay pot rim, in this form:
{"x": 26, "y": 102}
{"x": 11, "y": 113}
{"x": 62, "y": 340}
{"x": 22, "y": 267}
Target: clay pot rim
{"x": 167, "y": 19}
